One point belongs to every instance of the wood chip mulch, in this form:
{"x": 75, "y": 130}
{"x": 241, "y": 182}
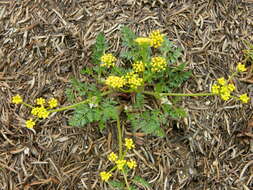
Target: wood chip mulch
{"x": 43, "y": 44}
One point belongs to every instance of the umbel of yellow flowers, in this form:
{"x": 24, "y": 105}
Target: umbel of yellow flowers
{"x": 120, "y": 163}
{"x": 133, "y": 79}
{"x": 40, "y": 111}
{"x": 155, "y": 39}
{"x": 224, "y": 88}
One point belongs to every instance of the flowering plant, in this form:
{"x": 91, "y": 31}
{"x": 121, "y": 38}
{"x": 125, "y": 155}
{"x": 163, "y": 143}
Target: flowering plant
{"x": 138, "y": 87}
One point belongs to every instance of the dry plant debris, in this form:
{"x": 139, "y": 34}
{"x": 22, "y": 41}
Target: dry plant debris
{"x": 44, "y": 43}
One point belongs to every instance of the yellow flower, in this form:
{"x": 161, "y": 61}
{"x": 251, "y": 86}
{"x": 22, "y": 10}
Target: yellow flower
{"x": 225, "y": 93}
{"x": 105, "y": 176}
{"x": 112, "y": 157}
{"x": 17, "y": 99}
{"x": 138, "y": 66}
{"x": 108, "y": 60}
{"x": 115, "y": 82}
{"x": 221, "y": 81}
{"x": 215, "y": 89}
{"x": 244, "y": 98}
{"x": 225, "y": 96}
{"x": 135, "y": 81}
{"x": 129, "y": 143}
{"x": 53, "y": 103}
{"x": 231, "y": 87}
{"x": 120, "y": 164}
{"x": 35, "y": 111}
{"x": 131, "y": 164}
{"x": 43, "y": 113}
{"x": 143, "y": 41}
{"x": 156, "y": 38}
{"x": 241, "y": 68}
{"x": 40, "y": 112}
{"x": 40, "y": 101}
{"x": 158, "y": 64}
{"x": 29, "y": 123}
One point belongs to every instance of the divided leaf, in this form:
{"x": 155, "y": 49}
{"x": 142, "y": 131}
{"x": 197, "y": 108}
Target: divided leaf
{"x": 117, "y": 184}
{"x": 99, "y": 48}
{"x": 148, "y": 121}
{"x": 85, "y": 114}
{"x": 142, "y": 181}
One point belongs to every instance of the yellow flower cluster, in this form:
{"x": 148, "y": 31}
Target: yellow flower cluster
{"x": 138, "y": 67}
{"x": 40, "y": 101}
{"x": 133, "y": 80}
{"x": 143, "y": 41}
{"x": 158, "y": 64}
{"x": 39, "y": 111}
{"x": 105, "y": 176}
{"x": 108, "y": 60}
{"x": 30, "y": 123}
{"x": 131, "y": 164}
{"x": 115, "y": 82}
{"x": 244, "y": 98}
{"x": 112, "y": 157}
{"x": 129, "y": 144}
{"x": 224, "y": 90}
{"x": 241, "y": 68}
{"x": 52, "y": 103}
{"x": 156, "y": 38}
{"x": 17, "y": 99}
{"x": 120, "y": 162}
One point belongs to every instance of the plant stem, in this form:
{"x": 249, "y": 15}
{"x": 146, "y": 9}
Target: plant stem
{"x": 99, "y": 73}
{"x": 27, "y": 105}
{"x": 77, "y": 104}
{"x": 119, "y": 136}
{"x": 125, "y": 178}
{"x": 232, "y": 76}
{"x": 176, "y": 94}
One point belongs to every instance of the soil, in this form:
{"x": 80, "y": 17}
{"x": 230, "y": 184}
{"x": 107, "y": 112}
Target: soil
{"x": 43, "y": 44}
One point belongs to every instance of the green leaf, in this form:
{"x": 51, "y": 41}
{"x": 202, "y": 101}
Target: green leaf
{"x": 128, "y": 37}
{"x": 142, "y": 181}
{"x": 98, "y": 49}
{"x": 87, "y": 71}
{"x": 101, "y": 125}
{"x": 171, "y": 52}
{"x": 84, "y": 114}
{"x": 133, "y": 187}
{"x": 78, "y": 86}
{"x": 174, "y": 112}
{"x": 116, "y": 184}
{"x": 79, "y": 118}
{"x": 131, "y": 52}
{"x": 70, "y": 95}
{"x": 139, "y": 100}
{"x": 148, "y": 121}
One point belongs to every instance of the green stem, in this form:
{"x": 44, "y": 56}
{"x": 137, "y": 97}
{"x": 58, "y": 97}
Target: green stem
{"x": 232, "y": 76}
{"x": 119, "y": 137}
{"x": 27, "y": 105}
{"x": 125, "y": 178}
{"x": 99, "y": 73}
{"x": 176, "y": 94}
{"x": 77, "y": 104}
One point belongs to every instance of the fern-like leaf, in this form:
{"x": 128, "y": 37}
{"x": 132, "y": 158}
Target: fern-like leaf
{"x": 99, "y": 48}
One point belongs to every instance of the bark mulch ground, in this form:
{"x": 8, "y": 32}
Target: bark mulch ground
{"x": 45, "y": 43}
